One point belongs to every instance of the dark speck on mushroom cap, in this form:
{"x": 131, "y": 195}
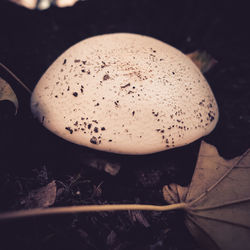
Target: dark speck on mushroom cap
{"x": 125, "y": 93}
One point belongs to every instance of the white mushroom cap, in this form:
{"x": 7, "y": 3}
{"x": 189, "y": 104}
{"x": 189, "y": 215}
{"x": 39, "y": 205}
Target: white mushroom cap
{"x": 125, "y": 93}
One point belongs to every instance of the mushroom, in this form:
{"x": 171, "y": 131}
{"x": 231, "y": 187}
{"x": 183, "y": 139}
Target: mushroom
{"x": 125, "y": 93}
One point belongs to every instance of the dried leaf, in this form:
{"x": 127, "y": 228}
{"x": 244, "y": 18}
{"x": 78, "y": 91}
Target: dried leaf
{"x": 202, "y": 60}
{"x": 111, "y": 238}
{"x": 7, "y": 93}
{"x": 42, "y": 197}
{"x": 111, "y": 168}
{"x": 218, "y": 200}
{"x": 138, "y": 217}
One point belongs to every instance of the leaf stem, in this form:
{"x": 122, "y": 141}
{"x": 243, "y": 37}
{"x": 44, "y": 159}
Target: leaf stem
{"x": 219, "y": 180}
{"x": 219, "y": 205}
{"x": 87, "y": 208}
{"x": 15, "y": 77}
{"x": 220, "y": 219}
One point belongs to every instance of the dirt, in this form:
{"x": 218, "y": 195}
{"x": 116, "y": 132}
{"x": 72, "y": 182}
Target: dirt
{"x": 31, "y": 157}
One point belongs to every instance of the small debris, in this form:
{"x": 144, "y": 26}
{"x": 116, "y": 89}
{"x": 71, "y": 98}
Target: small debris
{"x": 42, "y": 197}
{"x": 106, "y": 77}
{"x": 137, "y": 216}
{"x": 111, "y": 238}
{"x": 94, "y": 140}
{"x": 112, "y": 168}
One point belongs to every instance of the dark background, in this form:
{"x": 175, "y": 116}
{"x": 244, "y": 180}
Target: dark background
{"x": 30, "y": 157}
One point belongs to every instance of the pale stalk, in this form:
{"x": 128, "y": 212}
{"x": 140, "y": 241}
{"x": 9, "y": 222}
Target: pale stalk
{"x": 87, "y": 208}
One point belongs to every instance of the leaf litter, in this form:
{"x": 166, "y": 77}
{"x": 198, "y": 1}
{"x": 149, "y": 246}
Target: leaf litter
{"x": 41, "y": 197}
{"x": 217, "y": 200}
{"x": 202, "y": 60}
{"x": 7, "y": 93}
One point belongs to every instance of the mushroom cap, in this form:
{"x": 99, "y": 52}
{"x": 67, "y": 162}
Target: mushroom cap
{"x": 125, "y": 93}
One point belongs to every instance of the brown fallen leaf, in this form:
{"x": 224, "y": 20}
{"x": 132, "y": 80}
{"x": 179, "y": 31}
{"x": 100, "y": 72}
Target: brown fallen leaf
{"x": 42, "y": 197}
{"x": 202, "y": 60}
{"x": 217, "y": 200}
{"x": 7, "y": 93}
{"x": 138, "y": 217}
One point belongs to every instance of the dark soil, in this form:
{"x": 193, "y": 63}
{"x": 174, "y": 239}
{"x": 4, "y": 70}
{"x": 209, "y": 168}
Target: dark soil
{"x": 31, "y": 157}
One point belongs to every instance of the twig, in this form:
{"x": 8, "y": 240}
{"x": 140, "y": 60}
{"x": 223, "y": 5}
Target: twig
{"x": 86, "y": 208}
{"x": 15, "y": 77}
